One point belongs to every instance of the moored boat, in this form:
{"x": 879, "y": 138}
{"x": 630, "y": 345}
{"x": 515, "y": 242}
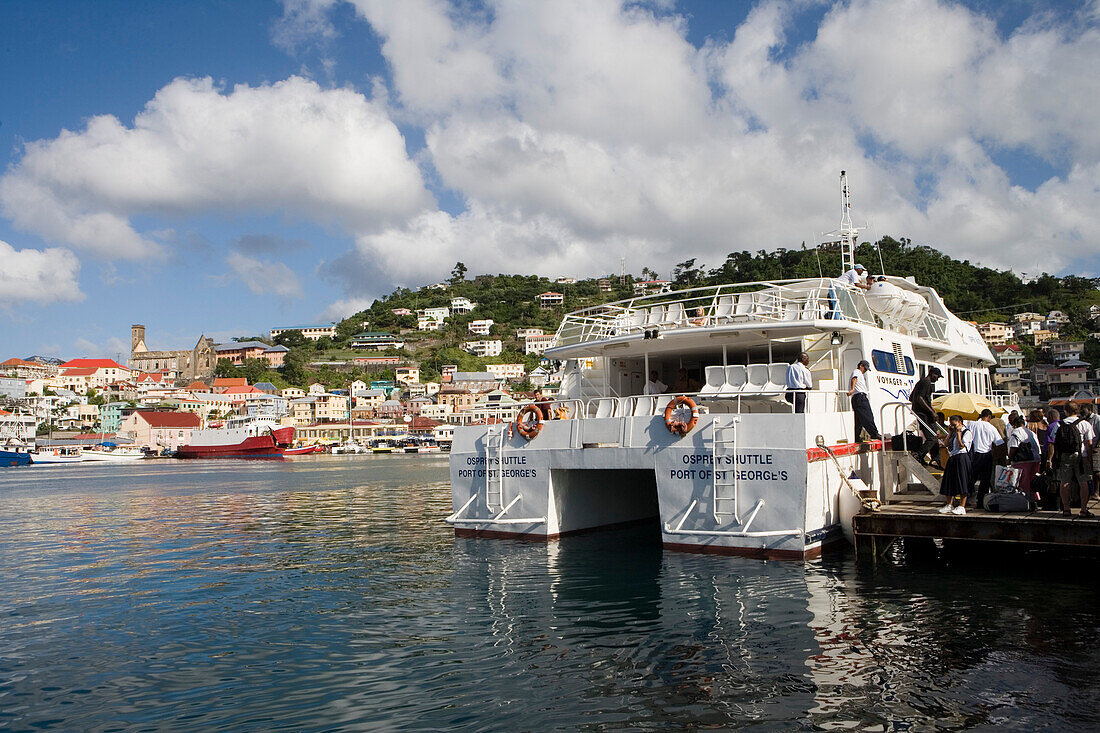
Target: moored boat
{"x": 113, "y": 455}
{"x": 14, "y": 455}
{"x": 57, "y": 456}
{"x": 304, "y": 450}
{"x": 728, "y": 460}
{"x": 239, "y": 438}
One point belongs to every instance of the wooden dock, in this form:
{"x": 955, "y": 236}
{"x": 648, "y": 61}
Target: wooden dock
{"x": 876, "y": 531}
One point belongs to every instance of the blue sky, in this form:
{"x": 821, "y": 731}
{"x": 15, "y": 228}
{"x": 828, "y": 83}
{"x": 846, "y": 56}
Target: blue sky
{"x": 226, "y": 167}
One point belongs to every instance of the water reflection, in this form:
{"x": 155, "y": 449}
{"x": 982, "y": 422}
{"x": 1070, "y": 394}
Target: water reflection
{"x": 327, "y": 593}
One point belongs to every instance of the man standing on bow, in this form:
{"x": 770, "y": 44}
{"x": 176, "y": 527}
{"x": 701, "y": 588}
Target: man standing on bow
{"x": 861, "y": 403}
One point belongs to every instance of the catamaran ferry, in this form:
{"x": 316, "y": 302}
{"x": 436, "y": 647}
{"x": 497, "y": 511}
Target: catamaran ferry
{"x": 722, "y": 458}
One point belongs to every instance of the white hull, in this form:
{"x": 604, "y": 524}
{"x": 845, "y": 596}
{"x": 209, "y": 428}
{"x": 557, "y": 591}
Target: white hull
{"x": 49, "y": 459}
{"x": 112, "y": 456}
{"x": 774, "y": 502}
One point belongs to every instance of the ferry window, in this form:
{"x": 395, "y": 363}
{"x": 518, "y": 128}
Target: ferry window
{"x": 886, "y": 362}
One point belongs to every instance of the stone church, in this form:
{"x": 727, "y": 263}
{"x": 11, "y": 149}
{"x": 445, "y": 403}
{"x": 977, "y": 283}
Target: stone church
{"x": 198, "y": 363}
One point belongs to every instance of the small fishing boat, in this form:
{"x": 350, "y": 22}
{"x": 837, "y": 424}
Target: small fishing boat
{"x": 106, "y": 454}
{"x": 15, "y": 454}
{"x": 304, "y": 450}
{"x": 59, "y": 455}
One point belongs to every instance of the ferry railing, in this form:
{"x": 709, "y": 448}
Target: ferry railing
{"x": 1005, "y": 399}
{"x": 901, "y": 423}
{"x": 759, "y": 302}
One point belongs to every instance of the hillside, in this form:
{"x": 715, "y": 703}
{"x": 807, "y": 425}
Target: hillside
{"x": 976, "y": 293}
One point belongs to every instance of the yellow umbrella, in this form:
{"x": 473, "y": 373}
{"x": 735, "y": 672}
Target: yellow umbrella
{"x": 966, "y": 405}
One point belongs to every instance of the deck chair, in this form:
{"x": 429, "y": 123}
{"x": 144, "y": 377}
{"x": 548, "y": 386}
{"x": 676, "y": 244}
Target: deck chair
{"x": 716, "y": 378}
{"x": 723, "y": 309}
{"x": 736, "y": 378}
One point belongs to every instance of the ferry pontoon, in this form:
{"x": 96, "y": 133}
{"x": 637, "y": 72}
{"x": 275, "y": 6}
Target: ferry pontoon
{"x": 751, "y": 476}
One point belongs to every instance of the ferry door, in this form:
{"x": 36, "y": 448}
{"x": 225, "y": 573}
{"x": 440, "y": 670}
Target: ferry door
{"x": 633, "y": 375}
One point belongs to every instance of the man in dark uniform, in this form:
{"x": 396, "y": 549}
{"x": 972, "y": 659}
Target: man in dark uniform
{"x": 921, "y": 399}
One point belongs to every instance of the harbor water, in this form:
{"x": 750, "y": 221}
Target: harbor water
{"x": 325, "y": 592}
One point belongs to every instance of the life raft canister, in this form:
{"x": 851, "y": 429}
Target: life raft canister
{"x": 675, "y": 425}
{"x": 529, "y": 428}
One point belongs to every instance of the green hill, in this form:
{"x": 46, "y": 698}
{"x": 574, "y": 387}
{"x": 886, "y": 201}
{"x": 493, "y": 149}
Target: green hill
{"x": 975, "y": 293}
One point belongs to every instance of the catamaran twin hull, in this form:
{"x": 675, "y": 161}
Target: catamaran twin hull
{"x": 737, "y": 484}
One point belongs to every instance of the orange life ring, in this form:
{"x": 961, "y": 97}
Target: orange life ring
{"x": 677, "y": 426}
{"x": 529, "y": 429}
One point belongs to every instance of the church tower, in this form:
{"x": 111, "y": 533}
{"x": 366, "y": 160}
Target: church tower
{"x": 137, "y": 338}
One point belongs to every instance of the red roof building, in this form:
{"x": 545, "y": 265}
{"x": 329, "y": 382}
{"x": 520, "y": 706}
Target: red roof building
{"x": 94, "y": 363}
{"x": 160, "y": 429}
{"x": 221, "y": 384}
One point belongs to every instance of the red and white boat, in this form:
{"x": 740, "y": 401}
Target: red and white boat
{"x": 304, "y": 450}
{"x": 240, "y": 438}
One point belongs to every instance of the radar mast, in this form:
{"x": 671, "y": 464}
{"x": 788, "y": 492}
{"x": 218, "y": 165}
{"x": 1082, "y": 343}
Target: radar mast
{"x": 846, "y": 235}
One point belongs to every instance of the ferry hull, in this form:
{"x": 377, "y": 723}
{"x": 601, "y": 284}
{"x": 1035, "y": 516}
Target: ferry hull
{"x": 771, "y": 498}
{"x": 269, "y": 445}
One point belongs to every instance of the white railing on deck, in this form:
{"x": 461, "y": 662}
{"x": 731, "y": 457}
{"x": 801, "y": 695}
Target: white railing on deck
{"x": 760, "y": 302}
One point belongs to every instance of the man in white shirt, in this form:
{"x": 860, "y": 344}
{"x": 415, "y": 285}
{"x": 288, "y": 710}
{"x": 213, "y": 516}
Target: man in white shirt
{"x": 861, "y": 403}
{"x": 857, "y": 277}
{"x": 799, "y": 380}
{"x": 986, "y": 436}
{"x": 655, "y": 385}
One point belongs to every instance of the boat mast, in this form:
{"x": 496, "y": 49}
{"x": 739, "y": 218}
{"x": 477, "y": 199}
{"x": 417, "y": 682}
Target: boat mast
{"x": 847, "y": 234}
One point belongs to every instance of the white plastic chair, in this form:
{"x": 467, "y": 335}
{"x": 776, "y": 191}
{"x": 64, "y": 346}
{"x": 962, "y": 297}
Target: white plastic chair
{"x": 723, "y": 311}
{"x": 662, "y": 403}
{"x": 655, "y": 315}
{"x": 764, "y": 305}
{"x": 736, "y": 378}
{"x": 605, "y": 408}
{"x": 636, "y": 320}
{"x": 743, "y": 310}
{"x": 643, "y": 406}
{"x": 777, "y": 380}
{"x": 757, "y": 378}
{"x": 674, "y": 315}
{"x": 716, "y": 378}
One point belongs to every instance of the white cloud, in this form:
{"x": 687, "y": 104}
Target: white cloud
{"x": 112, "y": 348}
{"x": 39, "y": 276}
{"x": 581, "y": 131}
{"x": 264, "y": 277}
{"x": 324, "y": 155}
{"x": 341, "y": 309}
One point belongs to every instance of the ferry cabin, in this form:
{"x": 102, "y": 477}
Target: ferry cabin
{"x": 749, "y": 477}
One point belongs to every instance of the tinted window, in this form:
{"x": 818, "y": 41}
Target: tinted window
{"x": 885, "y": 362}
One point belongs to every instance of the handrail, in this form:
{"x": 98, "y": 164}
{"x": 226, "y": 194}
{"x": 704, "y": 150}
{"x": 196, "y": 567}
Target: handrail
{"x": 771, "y": 301}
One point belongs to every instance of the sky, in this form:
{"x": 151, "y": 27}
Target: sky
{"x": 222, "y": 167}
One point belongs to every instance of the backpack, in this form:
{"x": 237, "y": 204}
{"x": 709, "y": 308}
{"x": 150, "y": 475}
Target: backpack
{"x": 1067, "y": 442}
{"x": 1025, "y": 451}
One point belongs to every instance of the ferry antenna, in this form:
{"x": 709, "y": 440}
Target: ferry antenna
{"x": 847, "y": 234}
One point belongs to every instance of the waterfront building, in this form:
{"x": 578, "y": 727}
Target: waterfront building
{"x": 28, "y": 369}
{"x": 507, "y": 372}
{"x": 13, "y": 387}
{"x": 481, "y": 327}
{"x": 195, "y": 363}
{"x": 159, "y": 429}
{"x": 238, "y": 351}
{"x": 1009, "y": 356}
{"x": 652, "y": 287}
{"x": 1061, "y": 351}
{"x": 484, "y": 348}
{"x": 539, "y": 344}
{"x": 994, "y": 333}
{"x": 550, "y": 299}
{"x": 462, "y": 305}
{"x": 313, "y": 333}
{"x": 376, "y": 341}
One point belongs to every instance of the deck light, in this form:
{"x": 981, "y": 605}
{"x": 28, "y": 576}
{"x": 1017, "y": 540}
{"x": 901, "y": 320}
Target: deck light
{"x": 836, "y": 339}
